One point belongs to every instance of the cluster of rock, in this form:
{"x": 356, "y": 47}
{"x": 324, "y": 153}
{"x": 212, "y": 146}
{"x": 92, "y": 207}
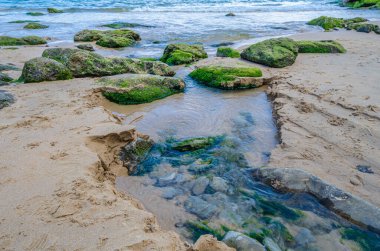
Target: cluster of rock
{"x": 358, "y": 23}
{"x": 28, "y": 40}
{"x": 109, "y": 38}
{"x": 61, "y": 64}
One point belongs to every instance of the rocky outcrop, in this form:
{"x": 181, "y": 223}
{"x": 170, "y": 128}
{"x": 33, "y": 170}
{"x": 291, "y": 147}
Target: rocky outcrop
{"x": 110, "y": 38}
{"x": 28, "y": 40}
{"x": 364, "y": 27}
{"x": 44, "y": 69}
{"x": 342, "y": 203}
{"x": 230, "y": 78}
{"x": 327, "y": 46}
{"x": 277, "y": 52}
{"x": 177, "y": 54}
{"x": 137, "y": 89}
{"x": 361, "y": 4}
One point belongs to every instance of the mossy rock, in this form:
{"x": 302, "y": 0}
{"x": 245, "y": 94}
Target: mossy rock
{"x": 327, "y": 46}
{"x": 86, "y": 47}
{"x": 199, "y": 228}
{"x": 363, "y": 4}
{"x": 329, "y": 23}
{"x": 22, "y": 21}
{"x": 277, "y": 52}
{"x": 5, "y": 78}
{"x": 28, "y": 40}
{"x": 140, "y": 89}
{"x": 54, "y": 10}
{"x": 110, "y": 39}
{"x": 35, "y": 14}
{"x": 44, "y": 69}
{"x": 123, "y": 25}
{"x": 194, "y": 144}
{"x": 177, "y": 54}
{"x": 228, "y": 78}
{"x": 35, "y": 26}
{"x": 227, "y": 52}
{"x": 364, "y": 27}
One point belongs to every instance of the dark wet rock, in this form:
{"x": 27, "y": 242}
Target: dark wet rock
{"x": 110, "y": 38}
{"x": 28, "y": 40}
{"x": 229, "y": 78}
{"x": 6, "y": 99}
{"x": 325, "y": 46}
{"x": 230, "y": 14}
{"x": 194, "y": 144}
{"x": 44, "y": 69}
{"x": 169, "y": 179}
{"x": 364, "y": 27}
{"x": 364, "y": 169}
{"x": 304, "y": 237}
{"x": 177, "y": 54}
{"x": 169, "y": 193}
{"x": 8, "y": 67}
{"x": 200, "y": 185}
{"x": 138, "y": 89}
{"x": 86, "y": 47}
{"x": 35, "y": 14}
{"x": 227, "y": 52}
{"x": 89, "y": 64}
{"x": 219, "y": 185}
{"x": 277, "y": 52}
{"x": 345, "y": 204}
{"x": 200, "y": 208}
{"x": 5, "y": 78}
{"x": 242, "y": 242}
{"x": 35, "y": 26}
{"x": 123, "y": 25}
{"x": 271, "y": 245}
{"x": 54, "y": 10}
{"x": 134, "y": 153}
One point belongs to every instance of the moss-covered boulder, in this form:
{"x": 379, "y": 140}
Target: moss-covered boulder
{"x": 54, "y": 10}
{"x": 362, "y": 3}
{"x": 177, "y": 54}
{"x": 86, "y": 47}
{"x": 35, "y": 14}
{"x": 277, "y": 52}
{"x": 327, "y": 46}
{"x": 110, "y": 39}
{"x": 88, "y": 64}
{"x": 227, "y": 52}
{"x": 123, "y": 25}
{"x": 329, "y": 23}
{"x": 228, "y": 78}
{"x": 35, "y": 26}
{"x": 194, "y": 144}
{"x": 44, "y": 69}
{"x": 364, "y": 27}
{"x": 138, "y": 89}
{"x": 28, "y": 40}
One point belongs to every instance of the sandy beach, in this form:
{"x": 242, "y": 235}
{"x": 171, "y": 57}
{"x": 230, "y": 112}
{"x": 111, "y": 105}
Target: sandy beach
{"x": 59, "y": 155}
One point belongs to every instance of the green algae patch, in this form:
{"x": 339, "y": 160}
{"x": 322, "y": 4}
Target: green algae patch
{"x": 35, "y": 26}
{"x": 227, "y": 52}
{"x": 363, "y": 4}
{"x": 54, "y": 10}
{"x": 35, "y": 14}
{"x": 22, "y": 21}
{"x": 28, "y": 40}
{"x": 123, "y": 25}
{"x": 177, "y": 54}
{"x": 140, "y": 89}
{"x": 224, "y": 77}
{"x": 327, "y": 46}
{"x": 366, "y": 240}
{"x": 277, "y": 52}
{"x": 199, "y": 228}
{"x": 109, "y": 39}
{"x": 44, "y": 69}
{"x": 194, "y": 144}
{"x": 329, "y": 23}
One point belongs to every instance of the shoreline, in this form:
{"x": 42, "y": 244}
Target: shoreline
{"x": 78, "y": 192}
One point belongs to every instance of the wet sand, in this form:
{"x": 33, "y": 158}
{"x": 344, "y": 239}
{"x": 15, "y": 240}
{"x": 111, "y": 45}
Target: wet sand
{"x": 56, "y": 193}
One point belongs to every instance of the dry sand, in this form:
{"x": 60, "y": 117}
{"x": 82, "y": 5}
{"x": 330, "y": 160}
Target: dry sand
{"x": 57, "y": 159}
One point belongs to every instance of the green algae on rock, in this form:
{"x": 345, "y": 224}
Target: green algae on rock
{"x": 5, "y": 78}
{"x": 28, "y": 40}
{"x": 54, "y": 10}
{"x": 135, "y": 152}
{"x": 329, "y": 23}
{"x": 325, "y": 46}
{"x": 139, "y": 89}
{"x": 194, "y": 144}
{"x": 110, "y": 38}
{"x": 35, "y": 26}
{"x": 23, "y": 21}
{"x": 122, "y": 25}
{"x": 35, "y": 14}
{"x": 44, "y": 69}
{"x": 364, "y": 27}
{"x": 177, "y": 54}
{"x": 277, "y": 52}
{"x": 355, "y": 4}
{"x": 228, "y": 78}
{"x": 227, "y": 52}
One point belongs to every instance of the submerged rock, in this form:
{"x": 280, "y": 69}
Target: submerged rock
{"x": 329, "y": 23}
{"x": 54, "y": 10}
{"x": 231, "y": 14}
{"x": 227, "y": 52}
{"x": 177, "y": 54}
{"x": 367, "y": 28}
{"x": 277, "y": 52}
{"x": 134, "y": 153}
{"x": 28, "y": 40}
{"x": 23, "y": 21}
{"x": 242, "y": 242}
{"x": 110, "y": 38}
{"x": 169, "y": 193}
{"x": 44, "y": 69}
{"x": 194, "y": 144}
{"x": 229, "y": 78}
{"x": 324, "y": 46}
{"x": 35, "y": 13}
{"x": 200, "y": 185}
{"x": 35, "y": 26}
{"x": 304, "y": 237}
{"x": 166, "y": 180}
{"x": 6, "y": 99}
{"x": 219, "y": 185}
{"x": 200, "y": 208}
{"x": 8, "y": 67}
{"x": 86, "y": 47}
{"x": 122, "y": 25}
{"x": 140, "y": 89}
